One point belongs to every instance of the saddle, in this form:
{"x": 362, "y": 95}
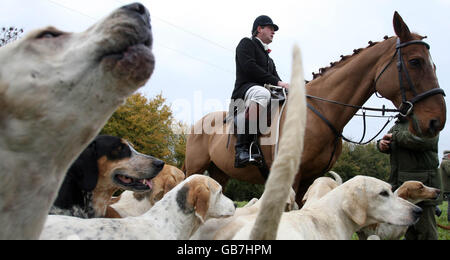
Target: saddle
{"x": 277, "y": 93}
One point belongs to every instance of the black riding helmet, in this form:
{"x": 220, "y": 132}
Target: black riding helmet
{"x": 263, "y": 20}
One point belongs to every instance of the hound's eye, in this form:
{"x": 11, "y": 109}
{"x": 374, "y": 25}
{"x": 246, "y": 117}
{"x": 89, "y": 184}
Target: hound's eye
{"x": 48, "y": 34}
{"x": 384, "y": 193}
{"x": 415, "y": 62}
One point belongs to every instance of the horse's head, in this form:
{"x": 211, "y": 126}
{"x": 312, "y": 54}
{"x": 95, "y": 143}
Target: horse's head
{"x": 410, "y": 82}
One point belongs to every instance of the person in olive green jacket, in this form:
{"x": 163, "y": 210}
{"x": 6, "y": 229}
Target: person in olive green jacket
{"x": 414, "y": 158}
{"x": 445, "y": 174}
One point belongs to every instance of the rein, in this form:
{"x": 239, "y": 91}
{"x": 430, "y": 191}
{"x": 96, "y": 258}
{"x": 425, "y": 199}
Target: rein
{"x": 339, "y": 134}
{"x": 405, "y": 109}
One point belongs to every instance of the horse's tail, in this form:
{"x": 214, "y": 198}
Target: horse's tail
{"x": 287, "y": 163}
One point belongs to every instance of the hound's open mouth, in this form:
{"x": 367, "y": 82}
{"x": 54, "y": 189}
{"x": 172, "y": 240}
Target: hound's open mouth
{"x": 132, "y": 183}
{"x": 131, "y": 50}
{"x": 131, "y": 38}
{"x": 135, "y": 62}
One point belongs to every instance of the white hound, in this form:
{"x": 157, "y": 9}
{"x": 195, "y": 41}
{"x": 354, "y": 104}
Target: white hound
{"x": 412, "y": 191}
{"x": 359, "y": 202}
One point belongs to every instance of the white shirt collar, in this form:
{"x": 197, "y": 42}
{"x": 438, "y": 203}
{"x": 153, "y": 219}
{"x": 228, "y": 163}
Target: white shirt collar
{"x": 266, "y": 46}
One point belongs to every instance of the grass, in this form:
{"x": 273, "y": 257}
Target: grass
{"x": 442, "y": 220}
{"x": 443, "y": 234}
{"x": 241, "y": 204}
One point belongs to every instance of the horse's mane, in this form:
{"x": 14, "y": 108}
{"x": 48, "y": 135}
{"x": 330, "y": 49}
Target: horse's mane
{"x": 345, "y": 58}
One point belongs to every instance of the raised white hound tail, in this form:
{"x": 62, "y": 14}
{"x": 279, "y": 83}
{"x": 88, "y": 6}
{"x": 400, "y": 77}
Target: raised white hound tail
{"x": 287, "y": 163}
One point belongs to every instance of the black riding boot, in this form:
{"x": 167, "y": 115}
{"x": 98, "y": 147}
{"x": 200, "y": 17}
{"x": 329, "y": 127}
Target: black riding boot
{"x": 242, "y": 149}
{"x": 242, "y": 156}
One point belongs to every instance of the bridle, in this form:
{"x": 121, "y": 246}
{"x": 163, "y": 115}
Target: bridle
{"x": 408, "y": 105}
{"x": 405, "y": 109}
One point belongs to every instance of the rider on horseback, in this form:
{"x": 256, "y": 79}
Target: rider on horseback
{"x": 254, "y": 69}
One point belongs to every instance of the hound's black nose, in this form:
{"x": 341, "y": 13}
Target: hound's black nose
{"x": 158, "y": 164}
{"x": 140, "y": 9}
{"x": 136, "y": 7}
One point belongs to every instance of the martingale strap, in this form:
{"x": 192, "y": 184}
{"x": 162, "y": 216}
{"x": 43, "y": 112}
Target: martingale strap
{"x": 339, "y": 134}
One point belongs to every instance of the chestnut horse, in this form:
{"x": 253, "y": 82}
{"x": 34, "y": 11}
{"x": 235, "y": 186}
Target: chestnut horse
{"x": 353, "y": 80}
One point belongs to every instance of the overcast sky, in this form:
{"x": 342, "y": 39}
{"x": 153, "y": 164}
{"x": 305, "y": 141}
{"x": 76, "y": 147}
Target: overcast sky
{"x": 195, "y": 40}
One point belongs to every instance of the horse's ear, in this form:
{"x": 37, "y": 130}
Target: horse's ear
{"x": 401, "y": 29}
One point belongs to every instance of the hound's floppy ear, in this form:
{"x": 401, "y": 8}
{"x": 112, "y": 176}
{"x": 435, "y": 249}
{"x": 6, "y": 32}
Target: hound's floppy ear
{"x": 401, "y": 29}
{"x": 160, "y": 189}
{"x": 157, "y": 192}
{"x": 403, "y": 192}
{"x": 85, "y": 169}
{"x": 199, "y": 198}
{"x": 194, "y": 197}
{"x": 355, "y": 205}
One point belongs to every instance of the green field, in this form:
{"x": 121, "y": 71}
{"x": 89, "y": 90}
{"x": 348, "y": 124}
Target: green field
{"x": 443, "y": 234}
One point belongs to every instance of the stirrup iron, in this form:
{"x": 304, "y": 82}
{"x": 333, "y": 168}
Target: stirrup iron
{"x": 250, "y": 153}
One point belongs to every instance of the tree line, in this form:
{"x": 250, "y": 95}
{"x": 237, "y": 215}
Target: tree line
{"x": 149, "y": 125}
{"x": 9, "y": 34}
